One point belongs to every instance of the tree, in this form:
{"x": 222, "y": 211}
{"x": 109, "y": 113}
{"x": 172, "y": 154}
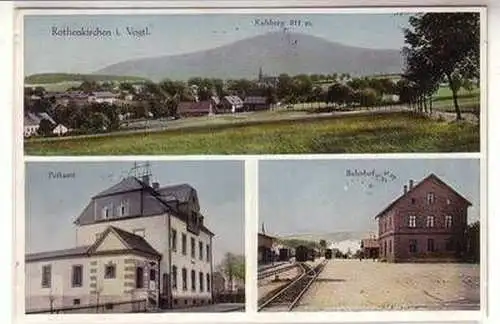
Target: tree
{"x": 368, "y": 97}
{"x": 448, "y": 44}
{"x": 473, "y": 242}
{"x": 45, "y": 127}
{"x": 233, "y": 266}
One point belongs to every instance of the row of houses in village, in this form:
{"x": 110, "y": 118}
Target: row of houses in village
{"x": 225, "y": 105}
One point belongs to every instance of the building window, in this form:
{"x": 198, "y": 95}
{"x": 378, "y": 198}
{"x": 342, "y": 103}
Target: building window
{"x": 413, "y": 201}
{"x": 124, "y": 208}
{"x": 413, "y": 246}
{"x": 448, "y": 221}
{"x": 208, "y": 282}
{"x": 200, "y": 249}
{"x": 200, "y": 279}
{"x": 430, "y": 221}
{"x": 174, "y": 240}
{"x": 193, "y": 280}
{"x": 412, "y": 221}
{"x": 140, "y": 232}
{"x": 76, "y": 301}
{"x": 46, "y": 276}
{"x": 174, "y": 277}
{"x": 152, "y": 275}
{"x": 430, "y": 198}
{"x": 208, "y": 252}
{"x": 193, "y": 248}
{"x": 139, "y": 277}
{"x": 385, "y": 248}
{"x": 184, "y": 279}
{"x": 184, "y": 244}
{"x": 390, "y": 246}
{"x": 110, "y": 271}
{"x": 77, "y": 276}
{"x": 105, "y": 212}
{"x": 448, "y": 201}
{"x": 430, "y": 245}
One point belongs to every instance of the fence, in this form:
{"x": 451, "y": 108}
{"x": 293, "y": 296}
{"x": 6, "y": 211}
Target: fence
{"x": 136, "y": 306}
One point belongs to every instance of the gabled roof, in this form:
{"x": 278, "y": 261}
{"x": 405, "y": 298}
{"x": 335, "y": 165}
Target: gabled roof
{"x": 432, "y": 176}
{"x": 234, "y": 100}
{"x": 131, "y": 241}
{"x": 46, "y": 116}
{"x": 126, "y": 185}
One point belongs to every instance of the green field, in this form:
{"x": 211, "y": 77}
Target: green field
{"x": 398, "y": 132}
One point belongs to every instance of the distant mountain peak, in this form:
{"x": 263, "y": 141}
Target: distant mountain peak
{"x": 276, "y": 51}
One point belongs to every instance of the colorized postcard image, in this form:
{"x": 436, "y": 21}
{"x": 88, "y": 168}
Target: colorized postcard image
{"x": 365, "y": 235}
{"x": 220, "y": 83}
{"x": 122, "y": 237}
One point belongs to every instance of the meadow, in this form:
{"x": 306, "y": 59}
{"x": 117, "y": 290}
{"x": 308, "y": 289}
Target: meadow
{"x": 376, "y": 133}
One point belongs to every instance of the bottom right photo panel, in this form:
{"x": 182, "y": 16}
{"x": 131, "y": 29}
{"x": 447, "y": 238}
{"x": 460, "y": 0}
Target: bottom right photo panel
{"x": 369, "y": 234}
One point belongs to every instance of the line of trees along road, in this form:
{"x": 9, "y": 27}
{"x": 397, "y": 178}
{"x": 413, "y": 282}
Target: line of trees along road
{"x": 440, "y": 47}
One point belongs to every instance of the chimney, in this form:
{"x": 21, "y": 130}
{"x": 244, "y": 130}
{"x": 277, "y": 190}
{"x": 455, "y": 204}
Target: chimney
{"x": 411, "y": 184}
{"x": 405, "y": 189}
{"x": 145, "y": 179}
{"x": 156, "y": 185}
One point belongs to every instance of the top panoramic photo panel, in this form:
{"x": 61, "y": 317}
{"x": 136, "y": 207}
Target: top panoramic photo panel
{"x": 220, "y": 83}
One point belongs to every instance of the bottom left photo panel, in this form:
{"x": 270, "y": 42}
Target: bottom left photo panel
{"x": 134, "y": 236}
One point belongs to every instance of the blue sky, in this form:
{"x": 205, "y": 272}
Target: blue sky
{"x": 175, "y": 34}
{"x": 53, "y": 204}
{"x": 316, "y": 196}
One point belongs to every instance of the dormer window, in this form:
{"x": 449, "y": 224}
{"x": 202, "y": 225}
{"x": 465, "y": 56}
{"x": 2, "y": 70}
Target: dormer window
{"x": 105, "y": 212}
{"x": 123, "y": 209}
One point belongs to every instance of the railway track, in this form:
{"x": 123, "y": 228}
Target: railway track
{"x": 286, "y": 298}
{"x": 271, "y": 272}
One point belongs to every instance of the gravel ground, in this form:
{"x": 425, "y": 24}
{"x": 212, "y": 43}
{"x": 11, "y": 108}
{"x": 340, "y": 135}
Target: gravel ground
{"x": 269, "y": 284}
{"x": 353, "y": 285}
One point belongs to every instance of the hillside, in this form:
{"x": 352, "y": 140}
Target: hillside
{"x": 275, "y": 52}
{"x": 48, "y": 78}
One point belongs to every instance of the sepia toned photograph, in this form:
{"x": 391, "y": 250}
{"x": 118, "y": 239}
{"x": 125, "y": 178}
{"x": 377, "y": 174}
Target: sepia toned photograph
{"x": 220, "y": 83}
{"x": 369, "y": 234}
{"x": 134, "y": 237}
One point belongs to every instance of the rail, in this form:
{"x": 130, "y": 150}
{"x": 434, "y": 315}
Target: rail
{"x": 286, "y": 298}
{"x": 278, "y": 269}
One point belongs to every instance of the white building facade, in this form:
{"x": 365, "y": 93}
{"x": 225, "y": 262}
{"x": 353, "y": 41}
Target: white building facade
{"x": 138, "y": 246}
